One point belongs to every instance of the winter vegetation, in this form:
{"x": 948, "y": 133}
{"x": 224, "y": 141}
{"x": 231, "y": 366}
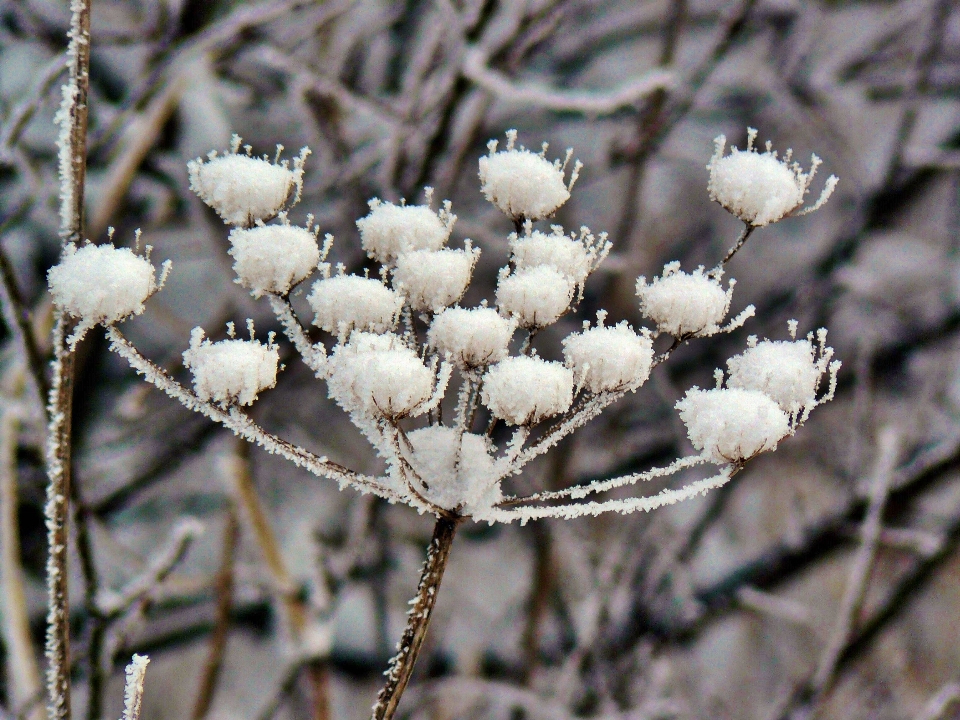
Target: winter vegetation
{"x": 550, "y": 389}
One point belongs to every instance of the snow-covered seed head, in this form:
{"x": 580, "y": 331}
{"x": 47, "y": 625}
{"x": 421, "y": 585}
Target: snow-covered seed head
{"x": 535, "y": 296}
{"x": 389, "y": 230}
{"x": 345, "y": 303}
{"x": 243, "y": 189}
{"x": 230, "y": 371}
{"x": 433, "y": 279}
{"x": 761, "y": 188}
{"x": 472, "y": 337}
{"x": 685, "y": 304}
{"x": 574, "y": 256}
{"x": 605, "y": 359}
{"x": 524, "y": 390}
{"x": 379, "y": 375}
{"x": 456, "y": 469}
{"x": 273, "y": 258}
{"x": 732, "y": 425}
{"x": 522, "y": 184}
{"x": 100, "y": 284}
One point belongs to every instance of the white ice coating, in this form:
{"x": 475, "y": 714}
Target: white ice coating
{"x": 471, "y": 337}
{"x": 535, "y": 296}
{"x": 787, "y": 372}
{"x": 684, "y": 303}
{"x": 273, "y": 258}
{"x": 133, "y": 687}
{"x": 230, "y": 371}
{"x": 345, "y": 303}
{"x": 389, "y": 230}
{"x": 525, "y": 390}
{"x": 609, "y": 358}
{"x": 433, "y": 279}
{"x": 730, "y": 425}
{"x": 571, "y": 255}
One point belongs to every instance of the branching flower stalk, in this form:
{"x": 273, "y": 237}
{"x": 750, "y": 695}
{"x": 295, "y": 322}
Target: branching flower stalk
{"x": 400, "y": 352}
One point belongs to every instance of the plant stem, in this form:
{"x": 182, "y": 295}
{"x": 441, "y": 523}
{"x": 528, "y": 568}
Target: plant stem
{"x": 402, "y": 664}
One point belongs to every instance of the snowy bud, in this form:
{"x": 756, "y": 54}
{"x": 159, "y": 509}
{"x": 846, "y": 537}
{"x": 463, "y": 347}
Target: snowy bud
{"x": 379, "y": 375}
{"x": 535, "y": 296}
{"x": 348, "y": 302}
{"x": 100, "y": 284}
{"x": 389, "y": 230}
{"x": 471, "y": 337}
{"x": 273, "y": 258}
{"x": 243, "y": 189}
{"x": 230, "y": 371}
{"x": 457, "y": 469}
{"x": 684, "y": 303}
{"x": 433, "y": 279}
{"x": 523, "y": 184}
{"x": 730, "y": 425}
{"x": 760, "y": 188}
{"x": 525, "y": 390}
{"x": 604, "y": 359}
{"x": 573, "y": 256}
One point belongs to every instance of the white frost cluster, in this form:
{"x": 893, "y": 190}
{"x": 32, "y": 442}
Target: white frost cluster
{"x": 606, "y": 359}
{"x": 456, "y": 469}
{"x": 571, "y": 255}
{"x": 100, "y": 284}
{"x": 243, "y": 189}
{"x": 375, "y": 375}
{"x": 230, "y": 371}
{"x": 472, "y": 337}
{"x": 535, "y": 296}
{"x": 273, "y": 258}
{"x": 345, "y": 303}
{"x": 525, "y": 390}
{"x": 760, "y": 188}
{"x": 685, "y": 304}
{"x": 390, "y": 230}
{"x": 525, "y": 185}
{"x": 433, "y": 279}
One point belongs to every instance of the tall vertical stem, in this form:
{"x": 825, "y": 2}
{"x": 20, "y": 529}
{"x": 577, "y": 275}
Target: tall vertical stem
{"x": 421, "y": 610}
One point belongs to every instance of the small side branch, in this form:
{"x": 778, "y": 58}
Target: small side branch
{"x": 741, "y": 241}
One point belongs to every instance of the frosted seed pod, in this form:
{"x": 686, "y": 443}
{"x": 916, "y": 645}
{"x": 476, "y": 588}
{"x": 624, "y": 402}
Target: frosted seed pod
{"x": 604, "y": 359}
{"x": 760, "y": 188}
{"x": 458, "y": 470}
{"x": 346, "y": 303}
{"x": 243, "y": 189}
{"x": 535, "y": 296}
{"x": 389, "y": 230}
{"x": 730, "y": 425}
{"x": 471, "y": 337}
{"x": 522, "y": 184}
{"x": 525, "y": 390}
{"x": 230, "y": 371}
{"x": 787, "y": 372}
{"x": 685, "y": 304}
{"x": 568, "y": 255}
{"x": 273, "y": 258}
{"x": 100, "y": 284}
{"x": 379, "y": 375}
{"x": 433, "y": 279}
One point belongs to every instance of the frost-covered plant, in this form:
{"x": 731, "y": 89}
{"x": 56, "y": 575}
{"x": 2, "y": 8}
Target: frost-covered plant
{"x": 428, "y": 382}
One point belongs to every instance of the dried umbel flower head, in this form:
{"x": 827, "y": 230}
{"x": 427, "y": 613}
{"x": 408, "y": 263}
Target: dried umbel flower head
{"x": 760, "y": 188}
{"x": 345, "y": 303}
{"x": 273, "y": 258}
{"x": 455, "y": 469}
{"x": 471, "y": 337}
{"x": 433, "y": 279}
{"x": 535, "y": 296}
{"x": 525, "y": 390}
{"x": 574, "y": 256}
{"x": 525, "y": 185}
{"x": 605, "y": 359}
{"x": 389, "y": 230}
{"x": 233, "y": 370}
{"x": 243, "y": 189}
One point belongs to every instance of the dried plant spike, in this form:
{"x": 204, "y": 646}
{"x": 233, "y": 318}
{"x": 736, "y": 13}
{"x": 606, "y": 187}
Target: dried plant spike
{"x": 231, "y": 371}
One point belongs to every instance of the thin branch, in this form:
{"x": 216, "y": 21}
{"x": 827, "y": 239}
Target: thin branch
{"x": 741, "y": 241}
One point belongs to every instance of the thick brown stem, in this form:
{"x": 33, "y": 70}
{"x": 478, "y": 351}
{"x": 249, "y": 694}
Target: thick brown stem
{"x": 401, "y": 667}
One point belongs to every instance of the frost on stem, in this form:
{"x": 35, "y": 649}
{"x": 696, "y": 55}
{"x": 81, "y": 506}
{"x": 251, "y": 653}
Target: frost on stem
{"x": 231, "y": 371}
{"x": 133, "y": 687}
{"x": 761, "y": 188}
{"x": 273, "y": 258}
{"x": 389, "y": 230}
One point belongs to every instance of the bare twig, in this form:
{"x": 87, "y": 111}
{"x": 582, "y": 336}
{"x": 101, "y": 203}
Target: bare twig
{"x": 937, "y": 706}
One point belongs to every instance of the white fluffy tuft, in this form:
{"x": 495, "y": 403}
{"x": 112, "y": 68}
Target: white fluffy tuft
{"x": 230, "y": 371}
{"x": 525, "y": 390}
{"x": 787, "y": 372}
{"x": 390, "y": 230}
{"x": 273, "y": 258}
{"x": 433, "y": 279}
{"x": 471, "y": 337}
{"x": 685, "y": 303}
{"x": 605, "y": 359}
{"x": 535, "y": 296}
{"x": 346, "y": 303}
{"x": 457, "y": 470}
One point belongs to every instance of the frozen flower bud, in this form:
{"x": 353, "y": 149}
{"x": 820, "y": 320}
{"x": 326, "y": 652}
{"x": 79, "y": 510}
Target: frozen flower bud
{"x": 525, "y": 390}
{"x": 379, "y": 375}
{"x": 243, "y": 189}
{"x": 731, "y": 425}
{"x": 574, "y": 256}
{"x": 760, "y": 188}
{"x": 230, "y": 371}
{"x": 684, "y": 304}
{"x": 389, "y": 230}
{"x": 346, "y": 303}
{"x": 536, "y": 296}
{"x": 457, "y": 469}
{"x": 471, "y": 337}
{"x": 433, "y": 279}
{"x": 605, "y": 359}
{"x": 273, "y": 258}
{"x": 522, "y": 184}
{"x": 100, "y": 284}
